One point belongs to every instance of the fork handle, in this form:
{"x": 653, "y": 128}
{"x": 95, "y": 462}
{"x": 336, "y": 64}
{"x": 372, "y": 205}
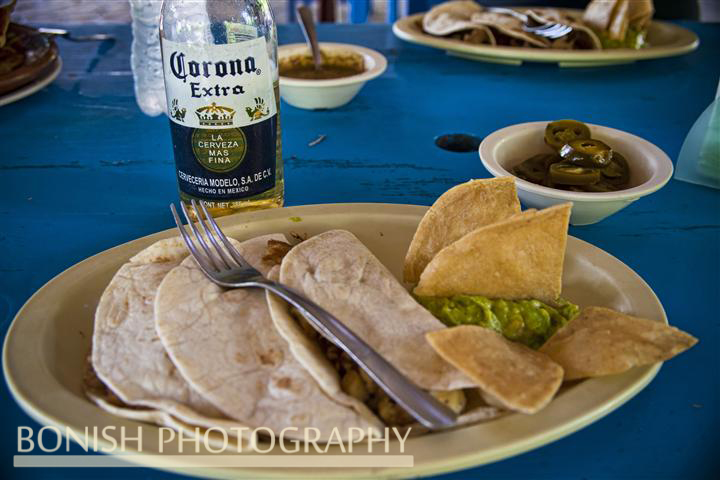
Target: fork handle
{"x": 417, "y": 402}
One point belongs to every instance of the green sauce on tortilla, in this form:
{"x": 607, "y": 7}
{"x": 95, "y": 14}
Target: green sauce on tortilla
{"x": 530, "y": 322}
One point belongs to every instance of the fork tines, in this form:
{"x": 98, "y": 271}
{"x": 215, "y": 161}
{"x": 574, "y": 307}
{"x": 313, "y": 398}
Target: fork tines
{"x": 551, "y": 30}
{"x": 216, "y": 258}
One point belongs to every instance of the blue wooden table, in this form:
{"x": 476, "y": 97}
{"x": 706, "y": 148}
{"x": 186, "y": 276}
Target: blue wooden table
{"x": 82, "y": 170}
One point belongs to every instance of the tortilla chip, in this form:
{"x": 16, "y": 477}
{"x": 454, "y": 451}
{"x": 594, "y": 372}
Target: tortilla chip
{"x": 620, "y": 21}
{"x": 601, "y": 341}
{"x": 599, "y": 13}
{"x": 457, "y": 212}
{"x": 521, "y": 257}
{"x": 640, "y": 13}
{"x": 509, "y": 374}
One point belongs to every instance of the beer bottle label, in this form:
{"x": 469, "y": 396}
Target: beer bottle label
{"x": 223, "y": 114}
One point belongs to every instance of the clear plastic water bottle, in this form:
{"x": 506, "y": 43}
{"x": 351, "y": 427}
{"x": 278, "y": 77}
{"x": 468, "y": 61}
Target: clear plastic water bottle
{"x": 146, "y": 59}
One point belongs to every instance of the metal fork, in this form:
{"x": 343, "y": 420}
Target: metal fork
{"x": 60, "y": 32}
{"x": 552, "y": 30}
{"x": 224, "y": 265}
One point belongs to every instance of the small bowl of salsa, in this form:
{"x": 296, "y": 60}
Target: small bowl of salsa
{"x": 345, "y": 69}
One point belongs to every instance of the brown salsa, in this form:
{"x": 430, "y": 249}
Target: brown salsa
{"x": 334, "y": 65}
{"x": 323, "y": 73}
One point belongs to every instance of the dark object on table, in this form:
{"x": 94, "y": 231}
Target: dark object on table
{"x": 26, "y": 56}
{"x": 458, "y": 142}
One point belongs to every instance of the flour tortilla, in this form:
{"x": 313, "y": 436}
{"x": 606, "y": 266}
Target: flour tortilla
{"x": 521, "y": 257}
{"x": 450, "y": 17}
{"x": 600, "y": 341}
{"x": 599, "y": 13}
{"x": 472, "y": 23}
{"x": 510, "y": 26}
{"x": 224, "y": 344}
{"x": 308, "y": 353}
{"x": 335, "y": 270}
{"x": 127, "y": 354}
{"x": 455, "y": 213}
{"x": 104, "y": 398}
{"x": 453, "y": 18}
{"x": 581, "y": 38}
{"x": 509, "y": 374}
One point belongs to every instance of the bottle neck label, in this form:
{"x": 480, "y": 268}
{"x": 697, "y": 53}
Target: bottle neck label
{"x": 218, "y": 86}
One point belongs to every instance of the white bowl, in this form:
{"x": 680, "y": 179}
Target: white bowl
{"x": 650, "y": 169}
{"x": 330, "y": 93}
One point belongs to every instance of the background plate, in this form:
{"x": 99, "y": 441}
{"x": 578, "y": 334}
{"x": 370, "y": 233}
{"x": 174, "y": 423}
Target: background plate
{"x": 665, "y": 39}
{"x": 46, "y": 345}
{"x": 39, "y": 83}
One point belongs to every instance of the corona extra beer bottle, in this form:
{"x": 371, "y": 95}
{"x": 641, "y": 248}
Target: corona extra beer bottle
{"x": 221, "y": 80}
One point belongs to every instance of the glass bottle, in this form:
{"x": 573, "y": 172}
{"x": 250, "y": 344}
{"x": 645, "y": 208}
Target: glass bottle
{"x": 221, "y": 81}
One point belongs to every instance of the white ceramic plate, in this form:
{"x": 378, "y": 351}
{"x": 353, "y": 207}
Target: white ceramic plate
{"x": 33, "y": 86}
{"x": 665, "y": 39}
{"x": 47, "y": 343}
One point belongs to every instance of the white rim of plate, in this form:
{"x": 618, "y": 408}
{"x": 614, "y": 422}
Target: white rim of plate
{"x": 659, "y": 178}
{"x": 377, "y": 61}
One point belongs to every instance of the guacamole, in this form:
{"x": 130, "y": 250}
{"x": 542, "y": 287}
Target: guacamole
{"x": 633, "y": 39}
{"x": 530, "y": 322}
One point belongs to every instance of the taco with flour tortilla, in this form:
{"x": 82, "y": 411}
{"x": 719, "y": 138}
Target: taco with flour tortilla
{"x": 224, "y": 344}
{"x": 335, "y": 270}
{"x": 104, "y": 398}
{"x": 582, "y": 37}
{"x": 452, "y": 19}
{"x": 127, "y": 355}
{"x": 507, "y": 30}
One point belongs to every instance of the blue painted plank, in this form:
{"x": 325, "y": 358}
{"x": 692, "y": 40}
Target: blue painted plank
{"x": 359, "y": 10}
{"x": 392, "y": 11}
{"x": 416, "y": 6}
{"x": 81, "y": 170}
{"x": 291, "y": 6}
